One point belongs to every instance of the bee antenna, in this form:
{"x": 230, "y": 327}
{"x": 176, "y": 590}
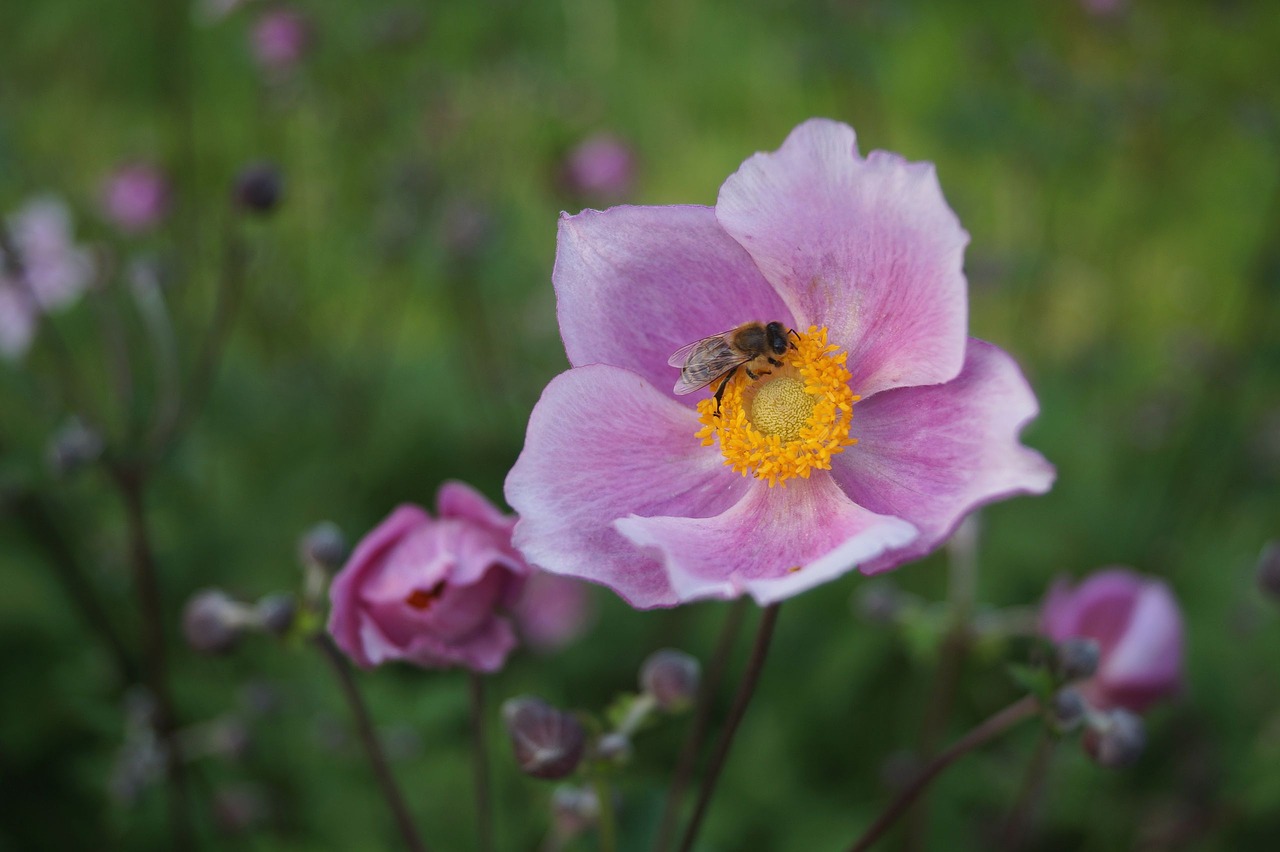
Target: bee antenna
{"x": 797, "y": 336}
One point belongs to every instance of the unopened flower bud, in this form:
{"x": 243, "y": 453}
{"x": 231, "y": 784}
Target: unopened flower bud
{"x": 258, "y": 187}
{"x": 1077, "y": 658}
{"x": 1268, "y": 571}
{"x": 573, "y": 810}
{"x": 1068, "y": 709}
{"x": 614, "y": 747}
{"x": 323, "y": 545}
{"x": 1115, "y": 739}
{"x": 212, "y": 622}
{"x": 275, "y": 612}
{"x": 548, "y": 743}
{"x": 672, "y": 678}
{"x": 73, "y": 447}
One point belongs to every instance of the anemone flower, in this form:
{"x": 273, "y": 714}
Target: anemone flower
{"x": 878, "y": 426}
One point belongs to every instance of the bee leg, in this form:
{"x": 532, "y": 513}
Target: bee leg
{"x": 750, "y": 375}
{"x": 775, "y": 362}
{"x": 723, "y": 385}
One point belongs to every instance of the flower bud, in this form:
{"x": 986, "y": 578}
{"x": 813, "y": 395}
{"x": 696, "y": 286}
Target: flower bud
{"x": 1268, "y": 570}
{"x": 1115, "y": 739}
{"x": 672, "y": 678}
{"x": 324, "y": 546}
{"x": 1077, "y": 658}
{"x": 614, "y": 747}
{"x": 1068, "y": 709}
{"x": 573, "y": 810}
{"x": 212, "y": 622}
{"x": 548, "y": 743}
{"x": 275, "y": 612}
{"x": 73, "y": 447}
{"x": 258, "y": 187}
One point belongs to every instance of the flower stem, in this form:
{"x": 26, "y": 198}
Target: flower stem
{"x": 606, "y": 823}
{"x": 480, "y": 755}
{"x": 373, "y": 749}
{"x": 1020, "y": 710}
{"x": 1029, "y": 795}
{"x": 764, "y": 634}
{"x": 701, "y": 718}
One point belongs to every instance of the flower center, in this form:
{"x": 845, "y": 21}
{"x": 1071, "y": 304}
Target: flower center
{"x": 422, "y": 599}
{"x": 788, "y": 422}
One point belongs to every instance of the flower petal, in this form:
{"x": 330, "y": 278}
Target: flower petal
{"x": 933, "y": 454}
{"x": 1146, "y": 663}
{"x": 604, "y": 443}
{"x": 459, "y": 500}
{"x": 867, "y": 248}
{"x": 634, "y": 284}
{"x": 773, "y": 543}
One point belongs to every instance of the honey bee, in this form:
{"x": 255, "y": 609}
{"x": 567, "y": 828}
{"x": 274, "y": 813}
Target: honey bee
{"x": 753, "y": 346}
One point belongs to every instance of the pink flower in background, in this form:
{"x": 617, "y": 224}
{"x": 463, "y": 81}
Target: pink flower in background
{"x": 280, "y": 38}
{"x": 47, "y": 270}
{"x": 553, "y": 611}
{"x": 1138, "y": 627}
{"x": 430, "y": 590}
{"x": 136, "y": 197}
{"x": 883, "y": 427}
{"x": 601, "y": 167}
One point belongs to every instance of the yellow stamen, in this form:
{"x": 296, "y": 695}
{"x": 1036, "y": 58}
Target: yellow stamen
{"x": 787, "y": 423}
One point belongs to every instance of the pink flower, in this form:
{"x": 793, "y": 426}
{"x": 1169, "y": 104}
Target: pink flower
{"x": 883, "y": 427}
{"x": 553, "y": 611}
{"x": 1138, "y": 627}
{"x": 280, "y": 38}
{"x": 135, "y": 198}
{"x": 601, "y": 166}
{"x": 47, "y": 271}
{"x": 429, "y": 590}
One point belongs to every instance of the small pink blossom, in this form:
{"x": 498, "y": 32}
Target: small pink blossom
{"x": 884, "y": 424}
{"x": 601, "y": 167}
{"x": 47, "y": 271}
{"x": 553, "y": 611}
{"x": 136, "y": 197}
{"x": 280, "y": 38}
{"x": 430, "y": 590}
{"x": 1135, "y": 621}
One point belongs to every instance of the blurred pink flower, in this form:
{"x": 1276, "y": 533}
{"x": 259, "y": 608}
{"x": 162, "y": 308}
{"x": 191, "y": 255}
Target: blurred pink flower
{"x": 1138, "y": 627}
{"x": 280, "y": 38}
{"x": 601, "y": 167}
{"x": 429, "y": 590}
{"x": 553, "y": 611}
{"x": 48, "y": 271}
{"x": 136, "y": 197}
{"x": 623, "y": 482}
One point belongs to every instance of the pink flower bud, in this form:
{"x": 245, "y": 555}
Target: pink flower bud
{"x": 280, "y": 38}
{"x": 136, "y": 197}
{"x": 1138, "y": 627}
{"x": 548, "y": 743}
{"x": 601, "y": 167}
{"x": 672, "y": 678}
{"x": 430, "y": 590}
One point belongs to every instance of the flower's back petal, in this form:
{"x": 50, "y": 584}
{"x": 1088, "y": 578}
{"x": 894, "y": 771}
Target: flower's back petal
{"x": 459, "y": 500}
{"x": 933, "y": 454}
{"x": 773, "y": 543}
{"x": 867, "y": 248}
{"x": 634, "y": 284}
{"x": 1146, "y": 662}
{"x": 604, "y": 443}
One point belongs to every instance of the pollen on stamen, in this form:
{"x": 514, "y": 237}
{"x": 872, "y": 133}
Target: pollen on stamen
{"x": 788, "y": 423}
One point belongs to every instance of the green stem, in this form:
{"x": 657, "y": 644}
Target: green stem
{"x": 607, "y": 825}
{"x": 480, "y": 755}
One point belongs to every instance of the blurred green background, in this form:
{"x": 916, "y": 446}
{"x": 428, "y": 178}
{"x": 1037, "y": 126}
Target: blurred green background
{"x": 1119, "y": 174}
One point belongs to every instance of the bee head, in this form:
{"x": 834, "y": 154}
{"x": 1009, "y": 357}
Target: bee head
{"x": 776, "y": 338}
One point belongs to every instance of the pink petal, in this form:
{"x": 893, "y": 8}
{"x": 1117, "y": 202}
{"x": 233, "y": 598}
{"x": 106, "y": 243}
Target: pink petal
{"x": 1146, "y": 662}
{"x": 868, "y": 248}
{"x": 604, "y": 443}
{"x": 634, "y": 284}
{"x": 773, "y": 543}
{"x": 459, "y": 500}
{"x": 933, "y": 454}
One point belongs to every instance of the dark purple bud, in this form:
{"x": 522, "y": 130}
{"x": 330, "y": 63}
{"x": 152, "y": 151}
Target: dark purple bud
{"x": 1077, "y": 658}
{"x": 548, "y": 743}
{"x": 276, "y": 612}
{"x": 672, "y": 678}
{"x": 212, "y": 622}
{"x": 1268, "y": 571}
{"x": 73, "y": 447}
{"x": 1068, "y": 709}
{"x": 324, "y": 546}
{"x": 258, "y": 187}
{"x": 1115, "y": 739}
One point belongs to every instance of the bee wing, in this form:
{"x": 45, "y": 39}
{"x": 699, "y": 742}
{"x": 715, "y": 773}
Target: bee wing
{"x": 704, "y": 361}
